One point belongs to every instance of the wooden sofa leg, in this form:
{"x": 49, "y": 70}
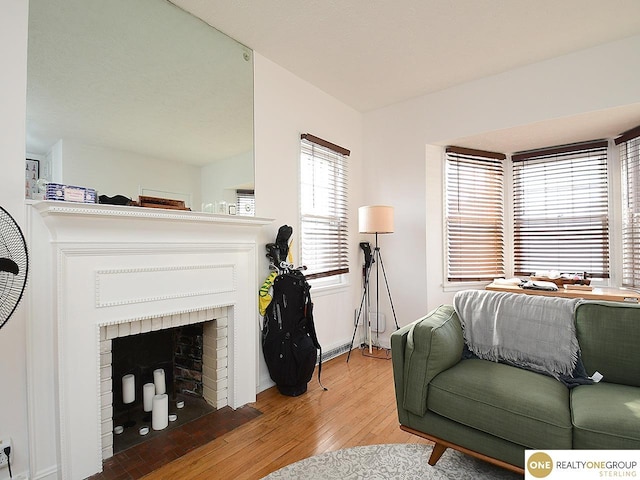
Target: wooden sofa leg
{"x": 438, "y": 450}
{"x": 441, "y": 445}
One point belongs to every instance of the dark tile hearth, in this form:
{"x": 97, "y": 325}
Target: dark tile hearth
{"x": 194, "y": 408}
{"x": 160, "y": 448}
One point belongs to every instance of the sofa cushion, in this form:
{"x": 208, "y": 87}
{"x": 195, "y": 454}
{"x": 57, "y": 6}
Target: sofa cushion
{"x": 609, "y": 336}
{"x": 434, "y": 344}
{"x": 517, "y": 405}
{"x": 606, "y": 416}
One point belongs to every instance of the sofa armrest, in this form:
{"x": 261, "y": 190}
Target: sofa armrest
{"x": 398, "y": 345}
{"x": 422, "y": 350}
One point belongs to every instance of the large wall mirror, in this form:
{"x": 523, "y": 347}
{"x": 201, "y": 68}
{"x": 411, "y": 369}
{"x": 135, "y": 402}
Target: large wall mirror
{"x": 139, "y": 98}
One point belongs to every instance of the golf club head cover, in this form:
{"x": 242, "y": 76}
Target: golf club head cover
{"x": 368, "y": 257}
{"x": 282, "y": 240}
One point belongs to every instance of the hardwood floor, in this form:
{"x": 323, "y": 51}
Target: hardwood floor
{"x": 357, "y": 409}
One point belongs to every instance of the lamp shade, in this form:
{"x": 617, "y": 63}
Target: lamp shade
{"x": 375, "y": 219}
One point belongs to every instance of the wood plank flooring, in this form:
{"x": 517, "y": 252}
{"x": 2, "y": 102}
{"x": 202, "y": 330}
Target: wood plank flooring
{"x": 357, "y": 409}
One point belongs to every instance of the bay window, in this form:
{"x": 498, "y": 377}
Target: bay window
{"x": 560, "y": 203}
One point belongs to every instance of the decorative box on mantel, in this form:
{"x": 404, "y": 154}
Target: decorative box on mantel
{"x": 97, "y": 269}
{"x": 69, "y": 193}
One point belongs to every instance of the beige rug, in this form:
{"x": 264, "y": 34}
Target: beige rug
{"x": 392, "y": 461}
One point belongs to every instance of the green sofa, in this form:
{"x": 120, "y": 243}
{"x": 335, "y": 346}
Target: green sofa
{"x": 495, "y": 411}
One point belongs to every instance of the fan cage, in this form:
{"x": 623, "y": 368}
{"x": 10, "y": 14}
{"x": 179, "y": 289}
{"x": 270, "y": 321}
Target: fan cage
{"x": 13, "y": 254}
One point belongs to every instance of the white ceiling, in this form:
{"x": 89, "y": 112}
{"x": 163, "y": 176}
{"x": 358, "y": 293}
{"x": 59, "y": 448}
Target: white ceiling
{"x": 373, "y": 53}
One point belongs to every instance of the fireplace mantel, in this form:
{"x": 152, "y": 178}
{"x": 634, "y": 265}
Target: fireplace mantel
{"x": 56, "y": 208}
{"x": 99, "y": 265}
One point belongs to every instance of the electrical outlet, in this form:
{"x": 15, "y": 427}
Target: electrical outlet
{"x": 4, "y": 443}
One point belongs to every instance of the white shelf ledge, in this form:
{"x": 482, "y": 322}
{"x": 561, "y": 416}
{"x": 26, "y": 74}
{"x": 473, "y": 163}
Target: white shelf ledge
{"x": 50, "y": 207}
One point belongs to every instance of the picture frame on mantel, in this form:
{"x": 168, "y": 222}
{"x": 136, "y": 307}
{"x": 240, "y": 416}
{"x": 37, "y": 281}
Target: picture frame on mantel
{"x": 32, "y": 174}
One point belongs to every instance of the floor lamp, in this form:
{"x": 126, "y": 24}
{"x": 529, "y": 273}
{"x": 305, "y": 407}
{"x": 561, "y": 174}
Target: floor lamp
{"x": 376, "y": 219}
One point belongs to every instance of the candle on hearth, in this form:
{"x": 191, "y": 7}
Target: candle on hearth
{"x": 128, "y": 388}
{"x": 148, "y": 391}
{"x": 160, "y": 412}
{"x": 159, "y": 382}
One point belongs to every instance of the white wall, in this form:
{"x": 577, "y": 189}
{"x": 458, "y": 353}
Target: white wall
{"x": 77, "y": 163}
{"x": 13, "y": 57}
{"x": 394, "y": 177}
{"x": 221, "y": 179}
{"x": 285, "y": 107}
{"x": 102, "y": 168}
{"x": 561, "y": 87}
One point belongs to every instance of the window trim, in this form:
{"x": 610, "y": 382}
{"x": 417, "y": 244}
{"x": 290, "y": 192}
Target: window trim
{"x": 342, "y": 257}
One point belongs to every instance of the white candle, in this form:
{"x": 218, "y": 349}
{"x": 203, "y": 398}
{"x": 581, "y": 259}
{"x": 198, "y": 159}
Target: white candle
{"x": 158, "y": 380}
{"x": 160, "y": 412}
{"x": 148, "y": 391}
{"x": 128, "y": 388}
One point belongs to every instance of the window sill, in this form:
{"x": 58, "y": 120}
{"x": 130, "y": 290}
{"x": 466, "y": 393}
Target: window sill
{"x": 459, "y": 286}
{"x": 322, "y": 286}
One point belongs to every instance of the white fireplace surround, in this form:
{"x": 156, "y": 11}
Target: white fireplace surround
{"x": 99, "y": 266}
{"x": 214, "y": 360}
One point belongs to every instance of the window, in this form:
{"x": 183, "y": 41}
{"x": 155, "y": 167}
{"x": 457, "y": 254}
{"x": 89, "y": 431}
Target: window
{"x": 323, "y": 207}
{"x": 629, "y": 144}
{"x": 246, "y": 202}
{"x": 474, "y": 215}
{"x": 560, "y": 210}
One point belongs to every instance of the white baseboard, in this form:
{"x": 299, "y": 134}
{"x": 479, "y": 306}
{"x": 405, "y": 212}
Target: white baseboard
{"x": 50, "y": 473}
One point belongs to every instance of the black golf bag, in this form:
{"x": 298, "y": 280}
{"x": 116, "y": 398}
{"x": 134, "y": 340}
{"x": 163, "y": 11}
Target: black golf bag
{"x": 289, "y": 340}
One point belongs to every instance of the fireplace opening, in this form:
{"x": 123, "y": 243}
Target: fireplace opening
{"x": 186, "y": 363}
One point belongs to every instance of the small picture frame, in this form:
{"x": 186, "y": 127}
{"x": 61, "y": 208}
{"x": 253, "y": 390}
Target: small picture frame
{"x": 32, "y": 174}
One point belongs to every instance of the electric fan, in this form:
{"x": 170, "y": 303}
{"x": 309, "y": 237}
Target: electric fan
{"x": 14, "y": 265}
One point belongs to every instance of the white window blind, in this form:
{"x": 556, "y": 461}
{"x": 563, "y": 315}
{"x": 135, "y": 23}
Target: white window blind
{"x": 323, "y": 207}
{"x": 474, "y": 214}
{"x": 246, "y": 202}
{"x": 560, "y": 210}
{"x": 629, "y": 145}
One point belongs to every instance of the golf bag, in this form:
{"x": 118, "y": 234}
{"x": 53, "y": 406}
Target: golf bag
{"x": 289, "y": 342}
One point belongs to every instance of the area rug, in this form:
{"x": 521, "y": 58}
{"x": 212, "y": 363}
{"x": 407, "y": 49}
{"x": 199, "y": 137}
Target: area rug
{"x": 392, "y": 461}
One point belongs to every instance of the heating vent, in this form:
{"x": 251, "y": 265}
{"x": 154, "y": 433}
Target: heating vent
{"x": 334, "y": 352}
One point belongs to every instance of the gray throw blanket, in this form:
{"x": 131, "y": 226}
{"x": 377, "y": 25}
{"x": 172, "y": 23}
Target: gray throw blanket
{"x": 530, "y": 331}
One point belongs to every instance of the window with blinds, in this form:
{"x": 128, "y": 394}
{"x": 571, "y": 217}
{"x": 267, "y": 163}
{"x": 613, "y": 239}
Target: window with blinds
{"x": 474, "y": 215}
{"x": 629, "y": 145}
{"x": 246, "y": 202}
{"x": 323, "y": 207}
{"x": 560, "y": 210}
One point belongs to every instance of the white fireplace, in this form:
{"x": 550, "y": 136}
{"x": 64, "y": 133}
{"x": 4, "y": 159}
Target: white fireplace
{"x": 99, "y": 271}
{"x": 215, "y": 360}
